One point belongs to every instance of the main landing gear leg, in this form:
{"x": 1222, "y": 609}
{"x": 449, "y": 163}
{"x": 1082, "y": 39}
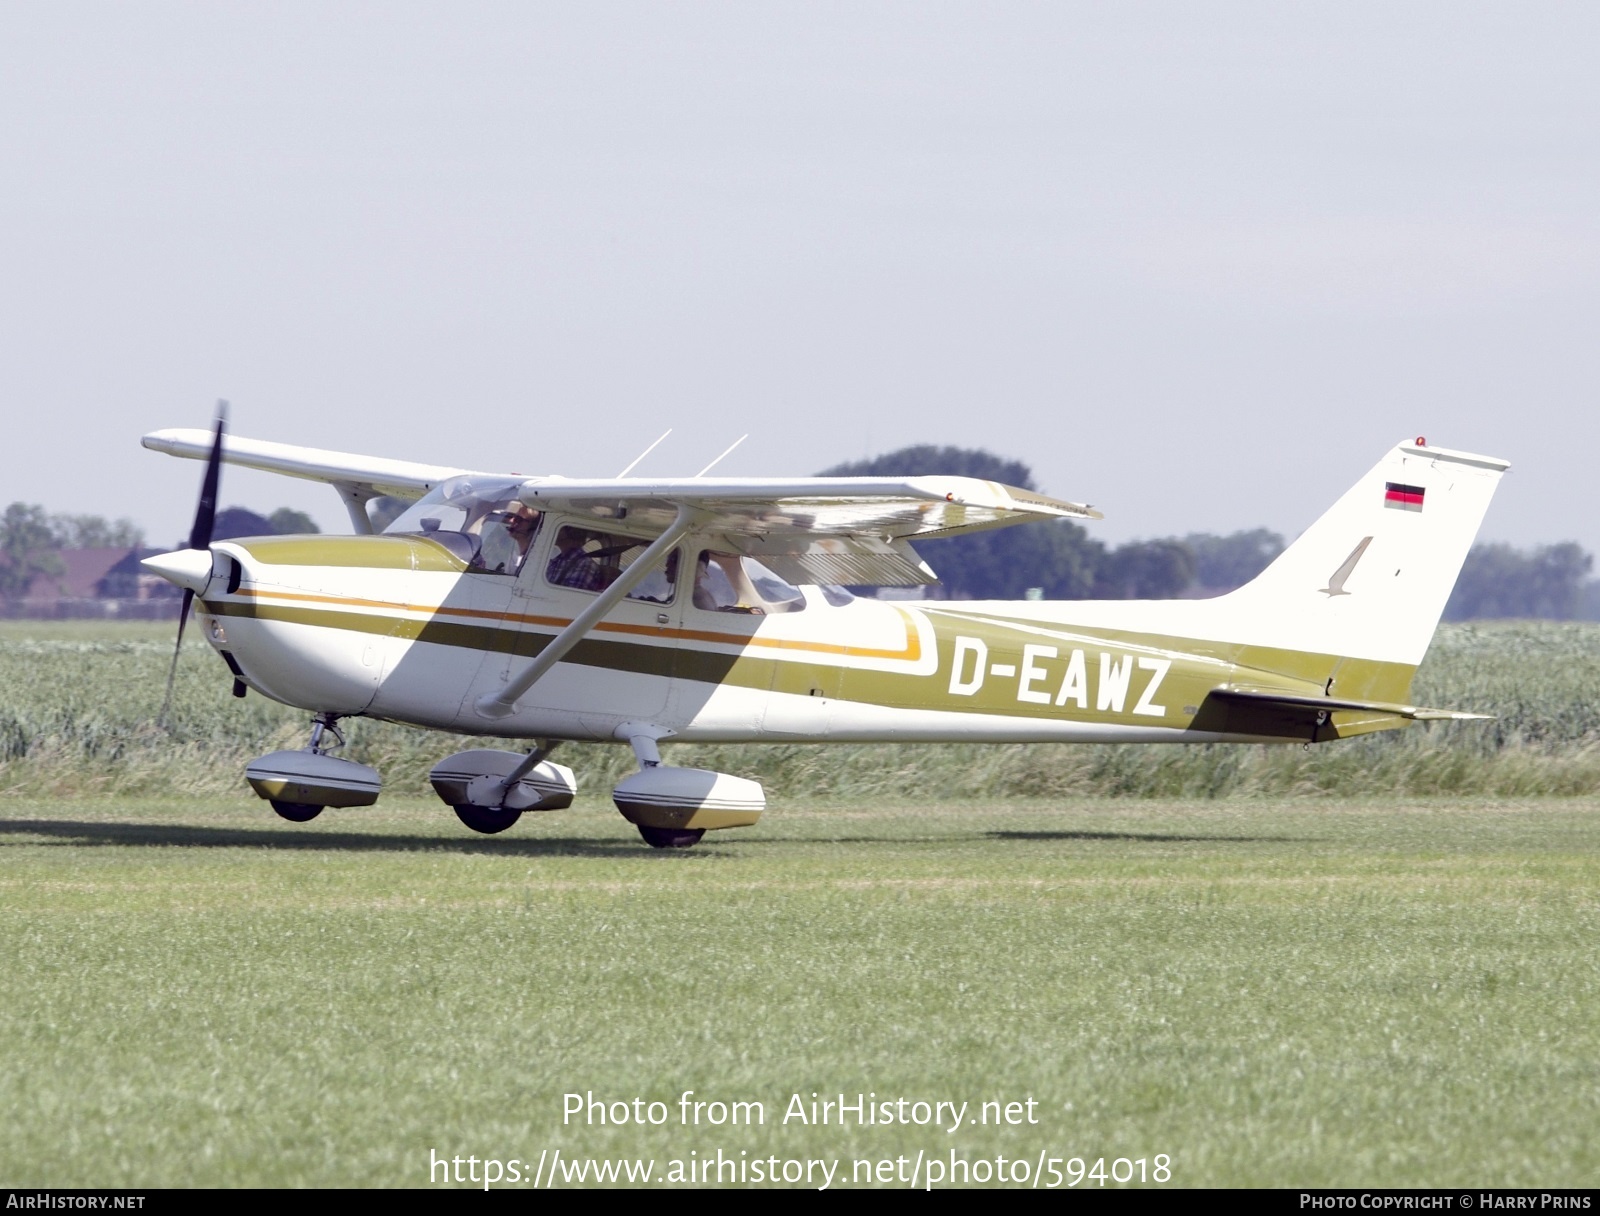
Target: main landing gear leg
{"x": 305, "y": 812}
{"x": 649, "y": 756}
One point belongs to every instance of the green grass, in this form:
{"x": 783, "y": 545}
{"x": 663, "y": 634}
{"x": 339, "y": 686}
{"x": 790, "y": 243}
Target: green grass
{"x": 1302, "y": 992}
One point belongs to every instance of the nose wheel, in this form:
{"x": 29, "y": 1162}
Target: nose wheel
{"x": 486, "y": 819}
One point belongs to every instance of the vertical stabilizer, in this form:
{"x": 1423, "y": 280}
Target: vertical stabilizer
{"x": 1371, "y": 577}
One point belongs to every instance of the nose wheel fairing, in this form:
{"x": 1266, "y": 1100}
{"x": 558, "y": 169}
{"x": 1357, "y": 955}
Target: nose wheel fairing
{"x": 308, "y": 778}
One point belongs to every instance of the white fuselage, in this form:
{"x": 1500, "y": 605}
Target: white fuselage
{"x": 423, "y": 646}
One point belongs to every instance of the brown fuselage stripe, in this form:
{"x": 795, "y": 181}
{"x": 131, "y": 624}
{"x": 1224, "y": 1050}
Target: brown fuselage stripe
{"x": 910, "y": 653}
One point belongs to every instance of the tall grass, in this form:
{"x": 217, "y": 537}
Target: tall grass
{"x": 78, "y": 703}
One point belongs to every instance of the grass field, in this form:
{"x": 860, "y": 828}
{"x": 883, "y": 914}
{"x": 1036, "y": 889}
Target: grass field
{"x": 1280, "y": 977}
{"x": 1268, "y": 993}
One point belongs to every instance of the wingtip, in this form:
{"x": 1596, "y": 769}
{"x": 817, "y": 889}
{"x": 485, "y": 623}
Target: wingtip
{"x": 163, "y": 440}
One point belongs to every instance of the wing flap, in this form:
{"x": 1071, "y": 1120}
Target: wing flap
{"x": 852, "y": 561}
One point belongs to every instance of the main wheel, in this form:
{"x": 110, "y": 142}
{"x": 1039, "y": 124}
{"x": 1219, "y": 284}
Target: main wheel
{"x": 297, "y": 812}
{"x": 486, "y": 819}
{"x": 671, "y": 838}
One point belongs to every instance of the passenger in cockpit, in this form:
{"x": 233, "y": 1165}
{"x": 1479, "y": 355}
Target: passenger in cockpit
{"x": 573, "y": 565}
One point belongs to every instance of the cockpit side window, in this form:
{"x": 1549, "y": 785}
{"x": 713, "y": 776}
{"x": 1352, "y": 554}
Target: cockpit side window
{"x": 481, "y": 520}
{"x": 728, "y": 582}
{"x": 586, "y": 560}
{"x": 505, "y": 538}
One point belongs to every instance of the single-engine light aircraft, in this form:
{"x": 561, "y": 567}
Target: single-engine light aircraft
{"x": 544, "y": 609}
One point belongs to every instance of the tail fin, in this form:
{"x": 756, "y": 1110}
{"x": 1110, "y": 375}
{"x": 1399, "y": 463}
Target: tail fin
{"x": 1370, "y": 578}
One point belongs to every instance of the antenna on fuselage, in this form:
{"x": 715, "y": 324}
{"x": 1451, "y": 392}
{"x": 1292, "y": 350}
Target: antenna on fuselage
{"x": 718, "y": 460}
{"x": 644, "y": 453}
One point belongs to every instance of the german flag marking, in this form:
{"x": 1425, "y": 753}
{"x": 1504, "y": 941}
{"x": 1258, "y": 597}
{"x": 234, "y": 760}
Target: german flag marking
{"x": 1402, "y": 498}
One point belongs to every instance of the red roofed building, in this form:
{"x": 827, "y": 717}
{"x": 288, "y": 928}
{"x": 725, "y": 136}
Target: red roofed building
{"x": 98, "y": 583}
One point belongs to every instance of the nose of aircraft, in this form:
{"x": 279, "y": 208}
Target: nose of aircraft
{"x": 190, "y": 569}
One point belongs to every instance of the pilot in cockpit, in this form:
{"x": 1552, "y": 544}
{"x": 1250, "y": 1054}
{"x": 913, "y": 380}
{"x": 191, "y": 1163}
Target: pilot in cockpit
{"x": 521, "y": 522}
{"x": 505, "y": 535}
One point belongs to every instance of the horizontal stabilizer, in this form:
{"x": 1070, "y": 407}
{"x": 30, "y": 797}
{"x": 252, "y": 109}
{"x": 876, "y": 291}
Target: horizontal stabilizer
{"x": 1253, "y": 712}
{"x": 1415, "y": 713}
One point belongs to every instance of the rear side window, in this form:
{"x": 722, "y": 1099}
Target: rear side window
{"x": 727, "y": 582}
{"x": 586, "y": 560}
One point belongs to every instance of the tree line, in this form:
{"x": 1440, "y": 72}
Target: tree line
{"x": 1060, "y": 560}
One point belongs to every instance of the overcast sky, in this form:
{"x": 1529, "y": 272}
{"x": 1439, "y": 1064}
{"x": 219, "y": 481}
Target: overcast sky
{"x": 1199, "y": 264}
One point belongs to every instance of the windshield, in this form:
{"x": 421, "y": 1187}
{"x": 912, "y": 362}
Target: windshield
{"x": 479, "y": 519}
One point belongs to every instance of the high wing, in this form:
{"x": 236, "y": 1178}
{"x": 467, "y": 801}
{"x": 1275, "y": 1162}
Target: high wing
{"x": 813, "y": 529}
{"x": 356, "y": 478}
{"x": 808, "y": 530}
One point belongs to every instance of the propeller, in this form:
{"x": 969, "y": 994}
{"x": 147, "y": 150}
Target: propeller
{"x": 205, "y": 518}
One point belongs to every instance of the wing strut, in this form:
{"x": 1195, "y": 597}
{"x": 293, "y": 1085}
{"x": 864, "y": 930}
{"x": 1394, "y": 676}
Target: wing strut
{"x": 504, "y": 703}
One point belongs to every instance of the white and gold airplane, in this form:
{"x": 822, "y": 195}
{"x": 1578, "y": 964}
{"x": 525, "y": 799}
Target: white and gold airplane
{"x": 545, "y": 609}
